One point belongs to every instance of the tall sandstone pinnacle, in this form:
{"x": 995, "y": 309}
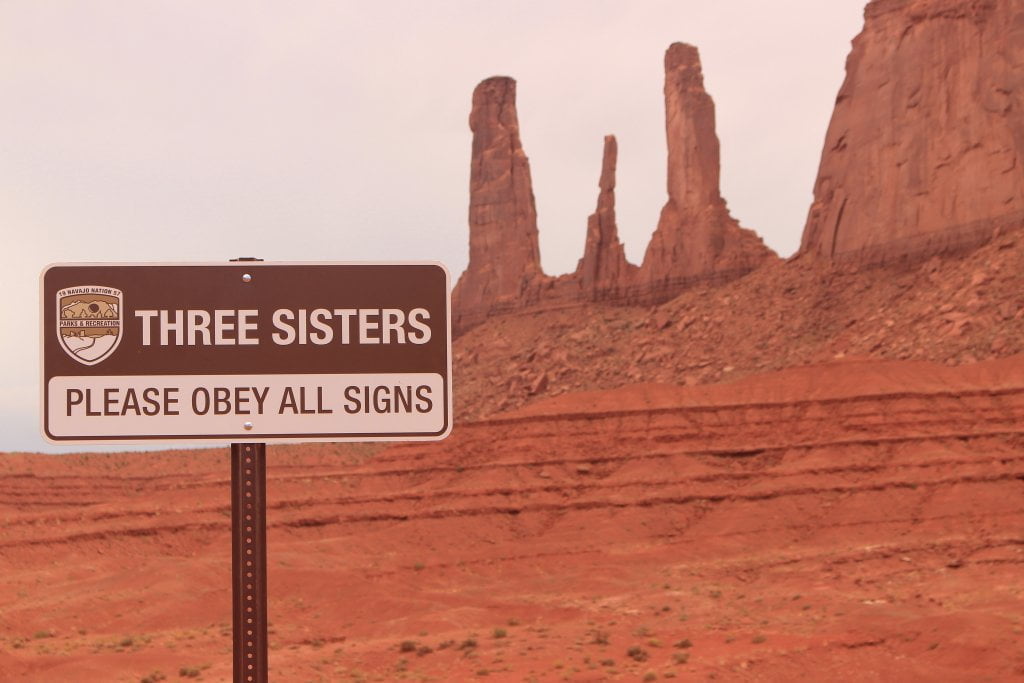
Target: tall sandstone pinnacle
{"x": 696, "y": 237}
{"x": 603, "y": 271}
{"x": 504, "y": 258}
{"x": 925, "y": 150}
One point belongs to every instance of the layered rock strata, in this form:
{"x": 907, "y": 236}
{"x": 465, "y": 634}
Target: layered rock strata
{"x": 923, "y": 153}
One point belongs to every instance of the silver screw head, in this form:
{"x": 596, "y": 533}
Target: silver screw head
{"x": 247, "y": 425}
{"x": 247, "y": 278}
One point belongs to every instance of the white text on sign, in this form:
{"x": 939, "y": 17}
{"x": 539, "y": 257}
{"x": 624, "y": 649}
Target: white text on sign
{"x": 319, "y": 326}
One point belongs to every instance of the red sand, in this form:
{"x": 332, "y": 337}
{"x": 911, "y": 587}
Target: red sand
{"x": 858, "y": 520}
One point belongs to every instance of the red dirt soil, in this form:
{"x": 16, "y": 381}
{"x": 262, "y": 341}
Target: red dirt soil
{"x": 859, "y": 519}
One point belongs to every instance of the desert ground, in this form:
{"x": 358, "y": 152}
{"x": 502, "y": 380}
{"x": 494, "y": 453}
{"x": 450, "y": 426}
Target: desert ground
{"x": 859, "y": 519}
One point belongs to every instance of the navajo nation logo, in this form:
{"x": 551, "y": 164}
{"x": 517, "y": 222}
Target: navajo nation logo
{"x": 89, "y": 322}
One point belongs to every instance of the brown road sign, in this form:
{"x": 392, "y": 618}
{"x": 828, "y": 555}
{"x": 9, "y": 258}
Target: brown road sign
{"x": 246, "y": 352}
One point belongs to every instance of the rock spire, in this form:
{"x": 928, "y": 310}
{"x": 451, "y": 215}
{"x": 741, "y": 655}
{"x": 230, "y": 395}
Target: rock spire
{"x": 603, "y": 271}
{"x": 504, "y": 258}
{"x": 696, "y": 237}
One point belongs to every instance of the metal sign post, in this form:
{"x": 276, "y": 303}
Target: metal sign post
{"x": 249, "y": 558}
{"x": 249, "y": 561}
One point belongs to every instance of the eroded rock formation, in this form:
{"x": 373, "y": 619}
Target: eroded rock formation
{"x": 696, "y": 237}
{"x": 504, "y": 258}
{"x": 923, "y": 152}
{"x": 603, "y": 272}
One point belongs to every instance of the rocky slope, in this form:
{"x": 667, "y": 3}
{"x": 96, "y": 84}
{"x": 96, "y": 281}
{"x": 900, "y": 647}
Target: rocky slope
{"x": 951, "y": 309}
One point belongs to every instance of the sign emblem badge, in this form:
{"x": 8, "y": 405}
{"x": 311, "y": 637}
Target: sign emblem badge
{"x": 89, "y": 322}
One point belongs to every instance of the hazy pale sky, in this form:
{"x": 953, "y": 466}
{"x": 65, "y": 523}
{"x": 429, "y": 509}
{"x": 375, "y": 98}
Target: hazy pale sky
{"x": 181, "y": 130}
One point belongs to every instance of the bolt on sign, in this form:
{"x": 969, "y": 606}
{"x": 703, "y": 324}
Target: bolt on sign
{"x": 246, "y": 352}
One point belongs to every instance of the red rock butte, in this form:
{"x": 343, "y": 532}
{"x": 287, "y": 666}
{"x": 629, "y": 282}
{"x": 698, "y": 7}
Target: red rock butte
{"x": 923, "y": 153}
{"x": 696, "y": 239}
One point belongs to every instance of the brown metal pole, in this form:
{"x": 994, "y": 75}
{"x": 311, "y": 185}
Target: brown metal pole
{"x": 249, "y": 557}
{"x": 249, "y": 561}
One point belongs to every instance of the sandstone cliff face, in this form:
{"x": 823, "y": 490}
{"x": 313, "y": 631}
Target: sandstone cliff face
{"x": 696, "y": 237}
{"x": 603, "y": 272}
{"x": 923, "y": 152}
{"x": 504, "y": 258}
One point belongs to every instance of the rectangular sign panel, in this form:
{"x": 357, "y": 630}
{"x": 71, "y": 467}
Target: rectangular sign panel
{"x": 248, "y": 351}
